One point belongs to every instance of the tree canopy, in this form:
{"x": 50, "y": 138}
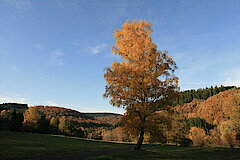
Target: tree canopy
{"x": 144, "y": 81}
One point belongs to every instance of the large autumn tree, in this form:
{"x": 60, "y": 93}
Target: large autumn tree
{"x": 143, "y": 82}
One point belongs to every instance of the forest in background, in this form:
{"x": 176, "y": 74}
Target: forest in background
{"x": 203, "y": 117}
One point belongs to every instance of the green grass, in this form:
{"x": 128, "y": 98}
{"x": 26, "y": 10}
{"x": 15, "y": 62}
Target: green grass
{"x": 15, "y": 145}
{"x": 167, "y": 152}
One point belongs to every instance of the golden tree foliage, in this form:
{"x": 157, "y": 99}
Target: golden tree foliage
{"x": 216, "y": 109}
{"x": 116, "y": 134}
{"x": 197, "y": 135}
{"x": 64, "y": 125}
{"x": 223, "y": 112}
{"x": 228, "y": 131}
{"x": 143, "y": 82}
{"x": 32, "y": 119}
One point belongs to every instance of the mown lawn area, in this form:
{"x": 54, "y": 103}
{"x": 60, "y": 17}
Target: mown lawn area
{"x": 167, "y": 152}
{"x": 14, "y": 145}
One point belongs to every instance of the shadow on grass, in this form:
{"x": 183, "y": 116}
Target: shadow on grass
{"x": 164, "y": 152}
{"x": 136, "y": 155}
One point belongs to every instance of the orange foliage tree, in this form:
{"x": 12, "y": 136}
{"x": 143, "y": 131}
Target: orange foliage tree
{"x": 144, "y": 81}
{"x": 197, "y": 135}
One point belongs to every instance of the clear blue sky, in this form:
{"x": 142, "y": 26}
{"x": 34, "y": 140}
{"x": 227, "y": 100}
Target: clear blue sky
{"x": 54, "y": 52}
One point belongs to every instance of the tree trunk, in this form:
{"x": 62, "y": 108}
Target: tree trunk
{"x": 140, "y": 140}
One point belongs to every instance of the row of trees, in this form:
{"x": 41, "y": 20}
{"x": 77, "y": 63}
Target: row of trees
{"x": 55, "y": 120}
{"x": 199, "y": 123}
{"x": 188, "y": 95}
{"x": 32, "y": 120}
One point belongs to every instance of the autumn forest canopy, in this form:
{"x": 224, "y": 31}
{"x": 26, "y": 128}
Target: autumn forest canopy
{"x": 145, "y": 84}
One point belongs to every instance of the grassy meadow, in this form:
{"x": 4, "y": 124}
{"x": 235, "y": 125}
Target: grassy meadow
{"x": 18, "y": 145}
{"x": 14, "y": 145}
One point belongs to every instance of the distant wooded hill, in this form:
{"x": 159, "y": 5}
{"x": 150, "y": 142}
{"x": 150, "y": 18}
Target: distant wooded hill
{"x": 58, "y": 120}
{"x": 101, "y": 114}
{"x": 215, "y": 121}
{"x": 208, "y": 116}
{"x": 79, "y": 118}
{"x": 201, "y": 93}
{"x": 53, "y": 111}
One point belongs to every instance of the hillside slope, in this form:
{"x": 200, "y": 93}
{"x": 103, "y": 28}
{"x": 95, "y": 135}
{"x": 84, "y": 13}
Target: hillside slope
{"x": 99, "y": 119}
{"x": 216, "y": 108}
{"x": 215, "y": 121}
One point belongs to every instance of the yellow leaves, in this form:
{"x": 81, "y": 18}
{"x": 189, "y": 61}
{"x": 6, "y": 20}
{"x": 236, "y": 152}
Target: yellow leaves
{"x": 175, "y": 80}
{"x": 133, "y": 39}
{"x": 144, "y": 78}
{"x": 197, "y": 135}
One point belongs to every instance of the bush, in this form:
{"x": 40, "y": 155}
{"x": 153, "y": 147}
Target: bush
{"x": 197, "y": 135}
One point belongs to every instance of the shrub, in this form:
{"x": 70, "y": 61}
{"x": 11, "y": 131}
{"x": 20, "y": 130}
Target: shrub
{"x": 197, "y": 135}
